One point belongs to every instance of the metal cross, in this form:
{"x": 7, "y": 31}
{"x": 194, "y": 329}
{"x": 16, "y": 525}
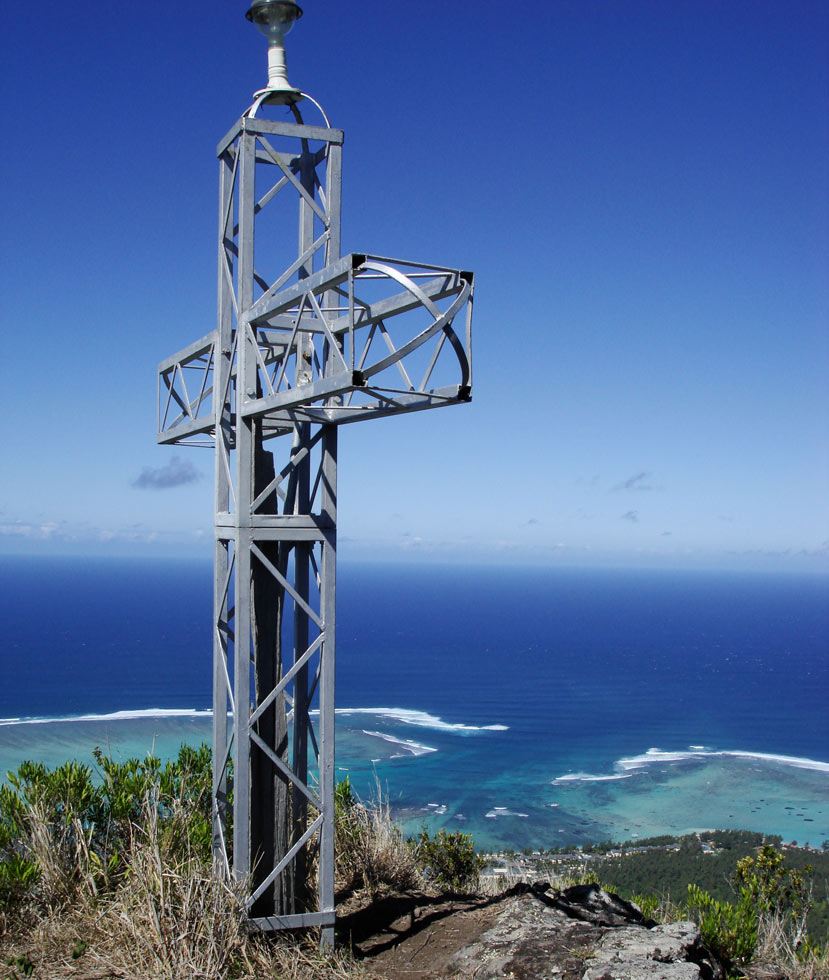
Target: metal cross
{"x": 306, "y": 341}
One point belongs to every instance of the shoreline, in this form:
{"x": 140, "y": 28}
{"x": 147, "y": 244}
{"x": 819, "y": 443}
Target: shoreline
{"x": 672, "y": 792}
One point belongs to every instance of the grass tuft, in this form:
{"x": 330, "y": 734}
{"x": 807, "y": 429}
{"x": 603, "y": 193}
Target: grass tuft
{"x": 372, "y": 854}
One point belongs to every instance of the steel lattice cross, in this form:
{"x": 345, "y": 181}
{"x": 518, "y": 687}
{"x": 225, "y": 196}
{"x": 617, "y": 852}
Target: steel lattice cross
{"x": 306, "y": 340}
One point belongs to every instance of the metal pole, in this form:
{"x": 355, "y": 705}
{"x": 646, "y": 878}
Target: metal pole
{"x": 245, "y": 449}
{"x": 224, "y": 552}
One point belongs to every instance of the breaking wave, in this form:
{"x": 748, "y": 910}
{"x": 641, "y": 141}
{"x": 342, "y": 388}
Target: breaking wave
{"x": 631, "y": 765}
{"x": 410, "y": 716}
{"x": 413, "y": 748}
{"x": 132, "y": 715}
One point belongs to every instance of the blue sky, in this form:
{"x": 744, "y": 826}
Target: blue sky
{"x": 640, "y": 187}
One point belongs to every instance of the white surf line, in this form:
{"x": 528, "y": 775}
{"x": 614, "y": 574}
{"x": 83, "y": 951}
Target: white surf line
{"x": 411, "y": 716}
{"x": 631, "y": 765}
{"x": 137, "y": 714}
{"x": 412, "y": 747}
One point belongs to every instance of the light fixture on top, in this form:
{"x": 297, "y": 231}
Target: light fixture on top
{"x": 274, "y": 19}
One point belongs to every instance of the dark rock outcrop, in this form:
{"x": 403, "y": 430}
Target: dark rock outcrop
{"x": 591, "y": 903}
{"x": 533, "y": 932}
{"x": 582, "y": 933}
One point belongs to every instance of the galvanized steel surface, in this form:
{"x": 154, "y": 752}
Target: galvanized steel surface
{"x": 305, "y": 341}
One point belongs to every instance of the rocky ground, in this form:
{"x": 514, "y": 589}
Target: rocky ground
{"x": 528, "y": 933}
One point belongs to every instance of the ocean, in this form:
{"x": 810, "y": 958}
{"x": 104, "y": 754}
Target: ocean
{"x": 529, "y": 707}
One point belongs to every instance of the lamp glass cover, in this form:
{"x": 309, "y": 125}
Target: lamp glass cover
{"x": 274, "y": 18}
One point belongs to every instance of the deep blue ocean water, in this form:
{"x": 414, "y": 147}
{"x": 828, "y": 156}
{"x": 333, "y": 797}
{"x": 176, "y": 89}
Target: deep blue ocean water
{"x": 520, "y": 704}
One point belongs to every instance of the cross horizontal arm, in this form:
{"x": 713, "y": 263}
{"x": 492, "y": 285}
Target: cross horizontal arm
{"x": 189, "y": 353}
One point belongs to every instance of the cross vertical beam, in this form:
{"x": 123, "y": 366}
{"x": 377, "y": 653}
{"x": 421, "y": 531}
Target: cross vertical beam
{"x": 275, "y": 551}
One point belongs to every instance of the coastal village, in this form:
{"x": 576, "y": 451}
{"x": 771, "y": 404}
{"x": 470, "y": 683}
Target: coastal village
{"x": 535, "y": 865}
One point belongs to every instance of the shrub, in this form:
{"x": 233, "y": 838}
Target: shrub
{"x": 48, "y": 819}
{"x": 60, "y": 832}
{"x": 773, "y": 888}
{"x": 17, "y": 876}
{"x": 729, "y": 931}
{"x": 448, "y": 859}
{"x": 769, "y": 914}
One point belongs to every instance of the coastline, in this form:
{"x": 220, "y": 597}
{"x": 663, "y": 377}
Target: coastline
{"x": 672, "y": 791}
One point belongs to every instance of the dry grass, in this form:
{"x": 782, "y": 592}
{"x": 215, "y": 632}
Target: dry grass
{"x": 210, "y": 948}
{"x": 167, "y": 917}
{"x": 778, "y": 943}
{"x": 371, "y": 852}
{"x": 492, "y": 884}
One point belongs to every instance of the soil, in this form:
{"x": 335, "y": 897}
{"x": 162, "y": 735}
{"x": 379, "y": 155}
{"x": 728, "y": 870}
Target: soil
{"x": 432, "y": 937}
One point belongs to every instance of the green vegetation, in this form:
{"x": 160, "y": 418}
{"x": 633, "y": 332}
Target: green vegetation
{"x": 710, "y": 861}
{"x": 61, "y": 832}
{"x": 116, "y": 871}
{"x": 728, "y": 930}
{"x": 771, "y": 904}
{"x": 449, "y": 860}
{"x": 372, "y": 854}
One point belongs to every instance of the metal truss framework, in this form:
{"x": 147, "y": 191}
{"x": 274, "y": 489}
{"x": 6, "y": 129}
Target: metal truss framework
{"x": 306, "y": 340}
